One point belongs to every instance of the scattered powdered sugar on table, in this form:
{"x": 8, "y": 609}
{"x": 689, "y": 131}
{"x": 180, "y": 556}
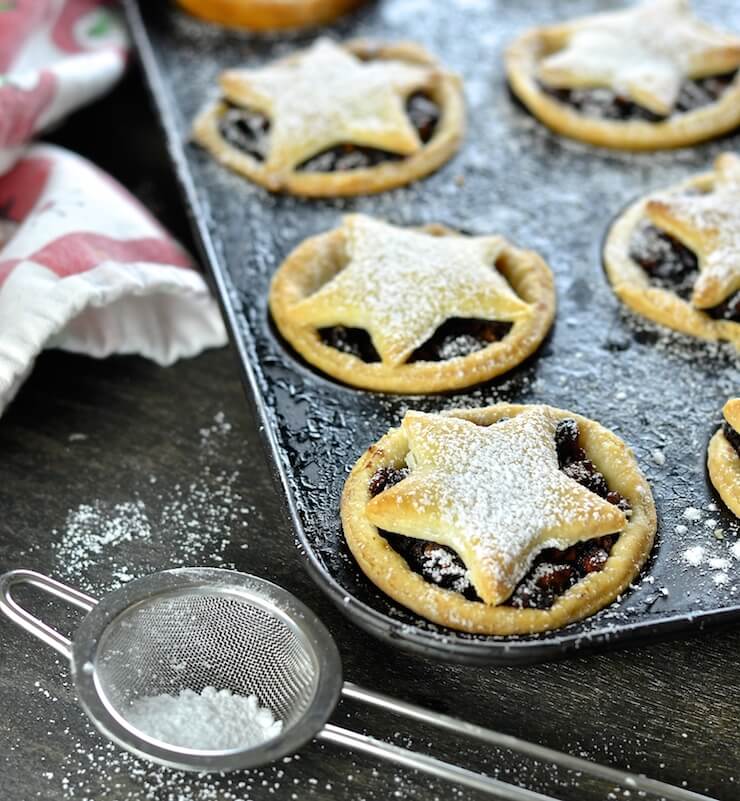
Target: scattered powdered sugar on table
{"x": 211, "y": 720}
{"x": 98, "y": 771}
{"x": 694, "y": 556}
{"x": 211, "y": 435}
{"x": 160, "y": 526}
{"x": 91, "y": 530}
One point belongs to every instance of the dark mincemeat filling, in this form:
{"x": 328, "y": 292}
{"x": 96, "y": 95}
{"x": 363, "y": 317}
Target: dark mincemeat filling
{"x": 732, "y": 436}
{"x": 608, "y": 105}
{"x": 454, "y": 338}
{"x": 672, "y": 266}
{"x": 460, "y": 337}
{"x": 552, "y": 572}
{"x": 353, "y": 341}
{"x": 245, "y": 130}
{"x": 249, "y": 131}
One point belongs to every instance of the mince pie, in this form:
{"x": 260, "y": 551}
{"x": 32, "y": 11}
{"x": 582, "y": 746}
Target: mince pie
{"x": 649, "y": 77}
{"x": 723, "y": 457}
{"x": 336, "y": 119}
{"x": 411, "y": 309}
{"x": 674, "y": 256}
{"x": 503, "y": 520}
{"x": 269, "y": 15}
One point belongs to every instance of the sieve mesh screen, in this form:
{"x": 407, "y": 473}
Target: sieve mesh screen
{"x": 194, "y": 640}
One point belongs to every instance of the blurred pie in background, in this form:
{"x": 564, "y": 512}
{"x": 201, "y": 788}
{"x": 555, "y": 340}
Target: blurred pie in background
{"x": 336, "y": 119}
{"x": 269, "y": 15}
{"x": 652, "y": 76}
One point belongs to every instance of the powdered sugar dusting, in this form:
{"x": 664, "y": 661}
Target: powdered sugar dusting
{"x": 713, "y": 222}
{"x": 439, "y": 565}
{"x": 694, "y": 556}
{"x": 643, "y": 53}
{"x": 211, "y": 720}
{"x": 449, "y": 276}
{"x": 92, "y": 531}
{"x": 712, "y": 561}
{"x": 498, "y": 491}
{"x": 323, "y": 96}
{"x": 194, "y": 523}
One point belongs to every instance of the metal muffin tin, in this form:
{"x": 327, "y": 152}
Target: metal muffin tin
{"x": 659, "y": 391}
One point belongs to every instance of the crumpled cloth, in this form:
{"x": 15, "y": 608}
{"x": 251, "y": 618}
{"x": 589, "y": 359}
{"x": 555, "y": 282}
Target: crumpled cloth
{"x": 55, "y": 56}
{"x": 83, "y": 266}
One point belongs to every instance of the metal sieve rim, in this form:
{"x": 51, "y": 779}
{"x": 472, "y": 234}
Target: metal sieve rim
{"x": 207, "y": 581}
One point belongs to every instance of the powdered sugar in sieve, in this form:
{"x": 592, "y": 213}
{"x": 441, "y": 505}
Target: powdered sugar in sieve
{"x": 212, "y": 720}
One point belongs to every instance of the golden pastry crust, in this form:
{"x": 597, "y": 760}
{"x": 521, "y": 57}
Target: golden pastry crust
{"x": 723, "y": 462}
{"x": 390, "y": 573}
{"x": 269, "y": 15}
{"x": 731, "y": 412}
{"x": 318, "y": 259}
{"x": 522, "y": 60}
{"x": 443, "y": 88}
{"x": 632, "y": 284}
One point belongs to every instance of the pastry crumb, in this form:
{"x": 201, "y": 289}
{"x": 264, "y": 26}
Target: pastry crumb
{"x": 658, "y": 457}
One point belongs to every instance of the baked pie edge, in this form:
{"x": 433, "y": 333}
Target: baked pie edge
{"x": 527, "y": 273}
{"x": 686, "y": 128}
{"x": 723, "y": 466}
{"x": 269, "y": 15}
{"x": 447, "y": 94}
{"x": 389, "y": 572}
{"x": 632, "y": 285}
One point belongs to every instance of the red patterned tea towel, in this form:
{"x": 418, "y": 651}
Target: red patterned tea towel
{"x": 84, "y": 267}
{"x": 55, "y": 56}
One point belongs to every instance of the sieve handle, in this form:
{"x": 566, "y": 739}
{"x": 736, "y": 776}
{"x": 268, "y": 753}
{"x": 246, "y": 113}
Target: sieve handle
{"x": 13, "y": 610}
{"x": 428, "y": 764}
{"x": 622, "y": 778}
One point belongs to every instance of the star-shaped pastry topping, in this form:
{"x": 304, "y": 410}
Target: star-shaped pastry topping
{"x": 400, "y": 285}
{"x": 492, "y": 493}
{"x": 325, "y": 96}
{"x": 644, "y": 53}
{"x": 709, "y": 224}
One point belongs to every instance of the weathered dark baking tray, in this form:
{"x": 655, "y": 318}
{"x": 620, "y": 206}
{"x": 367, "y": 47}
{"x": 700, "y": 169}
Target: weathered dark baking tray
{"x": 661, "y": 392}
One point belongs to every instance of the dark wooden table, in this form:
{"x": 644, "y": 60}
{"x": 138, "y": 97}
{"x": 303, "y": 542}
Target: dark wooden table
{"x": 88, "y": 445}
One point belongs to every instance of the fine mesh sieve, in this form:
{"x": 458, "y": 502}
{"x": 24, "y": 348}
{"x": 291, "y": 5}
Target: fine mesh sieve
{"x": 189, "y": 629}
{"x": 199, "y": 640}
{"x": 192, "y": 628}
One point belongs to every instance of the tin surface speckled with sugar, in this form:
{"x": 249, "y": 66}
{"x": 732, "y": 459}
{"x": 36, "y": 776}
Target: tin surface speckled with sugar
{"x": 661, "y": 392}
